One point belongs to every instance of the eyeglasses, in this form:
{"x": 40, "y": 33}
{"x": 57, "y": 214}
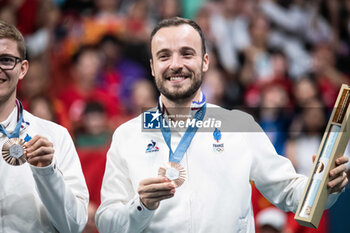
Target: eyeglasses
{"x": 8, "y": 62}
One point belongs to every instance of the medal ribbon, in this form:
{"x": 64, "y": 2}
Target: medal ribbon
{"x": 187, "y": 137}
{"x": 15, "y": 133}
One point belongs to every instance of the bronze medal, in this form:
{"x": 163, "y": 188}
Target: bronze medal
{"x": 13, "y": 151}
{"x": 174, "y": 172}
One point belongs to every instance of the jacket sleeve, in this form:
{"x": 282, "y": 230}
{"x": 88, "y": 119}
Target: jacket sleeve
{"x": 120, "y": 209}
{"x": 62, "y": 188}
{"x": 275, "y": 176}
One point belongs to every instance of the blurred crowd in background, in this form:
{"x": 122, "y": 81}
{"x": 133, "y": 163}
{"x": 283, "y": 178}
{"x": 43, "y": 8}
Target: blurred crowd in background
{"x": 281, "y": 60}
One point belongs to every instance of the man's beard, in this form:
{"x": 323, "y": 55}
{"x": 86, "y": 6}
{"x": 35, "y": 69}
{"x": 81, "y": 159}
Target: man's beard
{"x": 179, "y": 95}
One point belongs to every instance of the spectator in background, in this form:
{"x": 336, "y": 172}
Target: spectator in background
{"x": 38, "y": 82}
{"x": 203, "y": 19}
{"x": 229, "y": 25}
{"x": 92, "y": 140}
{"x": 41, "y": 41}
{"x": 94, "y": 131}
{"x": 110, "y": 77}
{"x": 88, "y": 24}
{"x": 275, "y": 114}
{"x": 168, "y": 8}
{"x": 214, "y": 86}
{"x": 36, "y": 20}
{"x": 137, "y": 26}
{"x": 7, "y": 13}
{"x": 85, "y": 68}
{"x": 258, "y": 64}
{"x": 143, "y": 96}
{"x": 118, "y": 73}
{"x": 305, "y": 90}
{"x": 36, "y": 90}
{"x": 340, "y": 21}
{"x": 105, "y": 20}
{"x": 295, "y": 24}
{"x": 302, "y": 17}
{"x": 270, "y": 220}
{"x": 41, "y": 106}
{"x": 328, "y": 77}
{"x": 25, "y": 13}
{"x": 278, "y": 63}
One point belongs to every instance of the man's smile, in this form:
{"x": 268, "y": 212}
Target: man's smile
{"x": 177, "y": 78}
{"x": 2, "y": 80}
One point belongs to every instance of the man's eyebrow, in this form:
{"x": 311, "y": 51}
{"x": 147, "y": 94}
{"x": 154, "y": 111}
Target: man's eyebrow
{"x": 7, "y": 54}
{"x": 188, "y": 49}
{"x": 183, "y": 49}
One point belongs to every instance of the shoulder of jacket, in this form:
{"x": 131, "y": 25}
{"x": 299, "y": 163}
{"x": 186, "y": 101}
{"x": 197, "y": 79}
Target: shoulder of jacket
{"x": 130, "y": 127}
{"x": 229, "y": 113}
{"x": 38, "y": 122}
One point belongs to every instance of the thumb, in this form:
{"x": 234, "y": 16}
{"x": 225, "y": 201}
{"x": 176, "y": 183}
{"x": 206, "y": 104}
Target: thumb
{"x": 313, "y": 158}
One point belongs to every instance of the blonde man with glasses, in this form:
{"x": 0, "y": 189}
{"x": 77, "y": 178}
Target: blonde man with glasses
{"x": 42, "y": 187}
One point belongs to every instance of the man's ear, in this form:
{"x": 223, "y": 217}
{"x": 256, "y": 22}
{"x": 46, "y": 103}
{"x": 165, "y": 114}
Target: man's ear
{"x": 205, "y": 63}
{"x": 151, "y": 64}
{"x": 24, "y": 69}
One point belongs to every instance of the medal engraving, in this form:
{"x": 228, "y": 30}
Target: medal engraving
{"x": 13, "y": 151}
{"x": 16, "y": 151}
{"x": 174, "y": 172}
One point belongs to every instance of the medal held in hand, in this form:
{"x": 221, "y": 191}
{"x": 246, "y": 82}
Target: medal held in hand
{"x": 174, "y": 172}
{"x": 173, "y": 169}
{"x": 13, "y": 151}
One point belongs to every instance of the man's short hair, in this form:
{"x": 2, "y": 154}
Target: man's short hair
{"x": 8, "y": 31}
{"x": 176, "y": 21}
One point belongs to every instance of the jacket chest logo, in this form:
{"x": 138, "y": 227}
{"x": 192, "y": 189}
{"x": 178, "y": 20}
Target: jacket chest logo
{"x": 151, "y": 147}
{"x": 217, "y": 146}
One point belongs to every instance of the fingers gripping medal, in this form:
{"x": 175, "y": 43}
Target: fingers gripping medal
{"x": 13, "y": 151}
{"x": 174, "y": 172}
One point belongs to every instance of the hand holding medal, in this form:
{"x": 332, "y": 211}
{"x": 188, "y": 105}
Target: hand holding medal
{"x": 39, "y": 151}
{"x": 153, "y": 190}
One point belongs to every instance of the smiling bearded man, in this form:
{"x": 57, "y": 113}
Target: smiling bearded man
{"x": 167, "y": 180}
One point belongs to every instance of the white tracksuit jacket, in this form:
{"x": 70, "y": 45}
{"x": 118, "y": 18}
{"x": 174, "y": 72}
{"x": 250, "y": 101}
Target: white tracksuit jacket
{"x": 216, "y": 196}
{"x": 48, "y": 199}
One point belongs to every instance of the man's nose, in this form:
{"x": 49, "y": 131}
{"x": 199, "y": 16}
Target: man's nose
{"x": 176, "y": 62}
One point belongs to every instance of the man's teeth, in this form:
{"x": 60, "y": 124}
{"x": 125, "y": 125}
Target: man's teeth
{"x": 176, "y": 78}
